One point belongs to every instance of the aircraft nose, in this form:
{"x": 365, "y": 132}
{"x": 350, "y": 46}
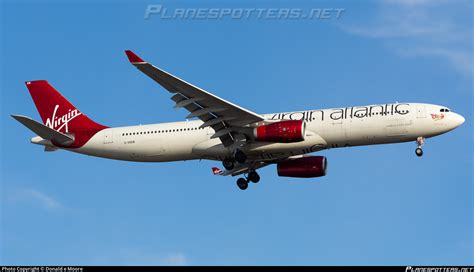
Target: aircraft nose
{"x": 458, "y": 119}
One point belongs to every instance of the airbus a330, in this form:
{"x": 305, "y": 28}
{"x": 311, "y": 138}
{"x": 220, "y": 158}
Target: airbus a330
{"x": 242, "y": 140}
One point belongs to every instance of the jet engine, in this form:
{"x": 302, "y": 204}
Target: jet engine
{"x": 305, "y": 167}
{"x": 289, "y": 131}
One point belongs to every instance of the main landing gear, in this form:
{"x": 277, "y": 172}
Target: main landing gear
{"x": 419, "y": 141}
{"x": 243, "y": 183}
{"x": 228, "y": 164}
{"x": 238, "y": 156}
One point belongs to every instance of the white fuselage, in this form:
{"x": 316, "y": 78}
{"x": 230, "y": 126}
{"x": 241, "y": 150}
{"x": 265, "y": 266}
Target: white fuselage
{"x": 328, "y": 128}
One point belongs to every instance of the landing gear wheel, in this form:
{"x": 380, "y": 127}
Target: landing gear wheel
{"x": 228, "y": 164}
{"x": 240, "y": 156}
{"x": 419, "y": 152}
{"x": 253, "y": 177}
{"x": 242, "y": 183}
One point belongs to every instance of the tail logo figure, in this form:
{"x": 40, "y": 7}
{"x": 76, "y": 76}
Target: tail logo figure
{"x": 58, "y": 123}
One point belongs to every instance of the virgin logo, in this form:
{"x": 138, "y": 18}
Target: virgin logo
{"x": 437, "y": 117}
{"x": 58, "y": 123}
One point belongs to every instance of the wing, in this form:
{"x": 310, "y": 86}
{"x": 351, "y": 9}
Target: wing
{"x": 214, "y": 111}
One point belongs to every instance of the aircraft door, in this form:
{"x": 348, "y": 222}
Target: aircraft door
{"x": 108, "y": 136}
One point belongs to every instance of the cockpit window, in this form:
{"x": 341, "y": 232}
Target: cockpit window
{"x": 441, "y": 110}
{"x": 444, "y": 110}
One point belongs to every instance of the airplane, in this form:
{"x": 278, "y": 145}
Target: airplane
{"x": 244, "y": 141}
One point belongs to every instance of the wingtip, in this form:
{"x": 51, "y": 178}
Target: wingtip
{"x": 133, "y": 58}
{"x": 18, "y": 117}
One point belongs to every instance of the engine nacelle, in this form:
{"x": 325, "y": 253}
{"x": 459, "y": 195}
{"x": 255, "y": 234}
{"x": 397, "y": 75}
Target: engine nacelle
{"x": 289, "y": 131}
{"x": 305, "y": 167}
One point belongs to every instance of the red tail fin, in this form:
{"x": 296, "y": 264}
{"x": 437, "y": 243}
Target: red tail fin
{"x": 59, "y": 114}
{"x": 56, "y": 112}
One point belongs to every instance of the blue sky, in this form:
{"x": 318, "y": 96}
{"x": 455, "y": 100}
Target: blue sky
{"x": 377, "y": 205}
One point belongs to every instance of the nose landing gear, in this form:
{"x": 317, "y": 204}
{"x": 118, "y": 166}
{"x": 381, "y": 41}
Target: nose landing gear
{"x": 419, "y": 141}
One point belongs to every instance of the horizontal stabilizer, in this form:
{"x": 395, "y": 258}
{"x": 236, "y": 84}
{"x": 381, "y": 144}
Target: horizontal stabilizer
{"x": 44, "y": 131}
{"x": 217, "y": 171}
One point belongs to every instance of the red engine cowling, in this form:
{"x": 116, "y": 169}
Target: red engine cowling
{"x": 289, "y": 131}
{"x": 305, "y": 167}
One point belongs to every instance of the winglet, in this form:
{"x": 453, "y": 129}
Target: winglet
{"x": 216, "y": 171}
{"x": 133, "y": 58}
